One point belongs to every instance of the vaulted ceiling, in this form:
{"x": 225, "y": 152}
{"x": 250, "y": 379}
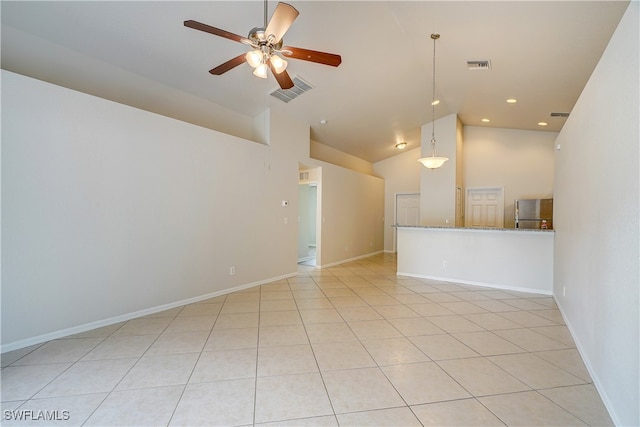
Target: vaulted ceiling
{"x": 140, "y": 53}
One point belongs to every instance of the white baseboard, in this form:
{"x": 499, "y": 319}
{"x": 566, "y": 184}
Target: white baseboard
{"x": 128, "y": 316}
{"x": 333, "y": 264}
{"x": 592, "y": 373}
{"x": 474, "y": 283}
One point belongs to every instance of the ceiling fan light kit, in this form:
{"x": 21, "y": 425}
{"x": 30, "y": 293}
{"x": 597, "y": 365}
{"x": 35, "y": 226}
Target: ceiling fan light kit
{"x": 266, "y": 43}
{"x": 279, "y": 64}
{"x": 254, "y": 58}
{"x": 261, "y": 71}
{"x": 433, "y": 162}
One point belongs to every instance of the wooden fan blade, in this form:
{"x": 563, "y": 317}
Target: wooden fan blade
{"x": 213, "y": 30}
{"x": 312, "y": 55}
{"x": 283, "y": 78}
{"x": 232, "y": 63}
{"x": 282, "y": 18}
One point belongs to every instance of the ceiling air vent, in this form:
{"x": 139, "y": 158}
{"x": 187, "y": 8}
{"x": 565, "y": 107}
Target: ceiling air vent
{"x": 299, "y": 87}
{"x": 559, "y": 114}
{"x": 479, "y": 65}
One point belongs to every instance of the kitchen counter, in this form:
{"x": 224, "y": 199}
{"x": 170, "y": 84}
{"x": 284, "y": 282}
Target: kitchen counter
{"x": 514, "y": 259}
{"x": 435, "y": 227}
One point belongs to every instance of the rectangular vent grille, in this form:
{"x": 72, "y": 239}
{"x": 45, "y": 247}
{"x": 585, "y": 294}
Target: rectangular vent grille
{"x": 304, "y": 176}
{"x": 299, "y": 87}
{"x": 559, "y": 114}
{"x": 479, "y": 65}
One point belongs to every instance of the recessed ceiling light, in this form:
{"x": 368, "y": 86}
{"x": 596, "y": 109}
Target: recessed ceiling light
{"x": 512, "y": 100}
{"x": 486, "y": 120}
{"x": 401, "y": 145}
{"x": 435, "y": 102}
{"x": 542, "y": 123}
{"x": 323, "y": 122}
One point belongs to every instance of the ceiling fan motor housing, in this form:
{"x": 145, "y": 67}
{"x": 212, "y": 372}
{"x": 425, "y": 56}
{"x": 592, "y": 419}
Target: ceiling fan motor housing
{"x": 267, "y": 42}
{"x": 259, "y": 39}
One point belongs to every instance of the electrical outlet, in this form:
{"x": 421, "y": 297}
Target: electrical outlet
{"x": 444, "y": 264}
{"x": 232, "y": 271}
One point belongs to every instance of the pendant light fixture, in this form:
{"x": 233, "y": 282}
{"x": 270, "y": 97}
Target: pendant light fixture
{"x": 433, "y": 162}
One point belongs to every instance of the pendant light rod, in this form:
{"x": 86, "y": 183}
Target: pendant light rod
{"x": 433, "y": 162}
{"x": 434, "y": 37}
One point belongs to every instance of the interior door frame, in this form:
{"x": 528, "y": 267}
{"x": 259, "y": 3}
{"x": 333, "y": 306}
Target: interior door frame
{"x": 313, "y": 177}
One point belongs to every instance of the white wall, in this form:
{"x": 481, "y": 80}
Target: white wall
{"x": 136, "y": 90}
{"x": 459, "y": 208}
{"x": 328, "y": 154}
{"x": 401, "y": 174}
{"x": 352, "y": 214}
{"x": 438, "y": 186}
{"x": 505, "y": 259}
{"x": 312, "y": 210}
{"x": 288, "y": 135}
{"x": 352, "y": 205}
{"x": 597, "y": 251}
{"x": 521, "y": 161}
{"x": 109, "y": 210}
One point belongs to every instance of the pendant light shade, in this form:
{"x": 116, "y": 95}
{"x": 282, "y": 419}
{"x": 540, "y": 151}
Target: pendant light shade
{"x": 433, "y": 162}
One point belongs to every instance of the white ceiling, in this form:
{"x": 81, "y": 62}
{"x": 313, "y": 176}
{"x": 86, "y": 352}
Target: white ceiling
{"x": 140, "y": 54}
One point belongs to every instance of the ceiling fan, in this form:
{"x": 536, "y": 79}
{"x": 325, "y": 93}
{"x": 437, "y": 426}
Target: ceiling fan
{"x": 266, "y": 43}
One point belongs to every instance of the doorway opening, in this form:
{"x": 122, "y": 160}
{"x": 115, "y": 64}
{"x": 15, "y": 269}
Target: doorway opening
{"x": 308, "y": 213}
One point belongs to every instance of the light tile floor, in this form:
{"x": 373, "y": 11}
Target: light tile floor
{"x": 351, "y": 345}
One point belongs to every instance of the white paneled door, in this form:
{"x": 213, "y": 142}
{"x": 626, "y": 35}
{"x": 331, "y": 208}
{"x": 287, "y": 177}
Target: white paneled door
{"x": 485, "y": 207}
{"x": 407, "y": 212}
{"x": 407, "y": 209}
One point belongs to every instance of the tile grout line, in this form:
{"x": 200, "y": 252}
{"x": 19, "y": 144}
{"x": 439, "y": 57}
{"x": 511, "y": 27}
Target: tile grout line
{"x": 184, "y": 389}
{"x": 255, "y": 382}
{"x": 315, "y": 358}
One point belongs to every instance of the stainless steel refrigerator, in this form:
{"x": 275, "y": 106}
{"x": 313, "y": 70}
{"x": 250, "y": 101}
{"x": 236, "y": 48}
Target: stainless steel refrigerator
{"x": 534, "y": 213}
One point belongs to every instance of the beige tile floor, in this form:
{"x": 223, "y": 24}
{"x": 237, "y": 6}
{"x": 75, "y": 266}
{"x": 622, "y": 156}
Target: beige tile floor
{"x": 351, "y": 345}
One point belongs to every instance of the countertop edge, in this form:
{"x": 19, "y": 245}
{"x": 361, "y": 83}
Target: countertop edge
{"x": 473, "y": 229}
